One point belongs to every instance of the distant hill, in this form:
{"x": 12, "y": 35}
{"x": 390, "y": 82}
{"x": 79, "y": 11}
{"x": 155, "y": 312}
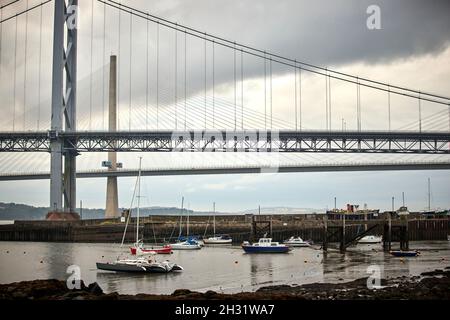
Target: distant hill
{"x": 17, "y": 211}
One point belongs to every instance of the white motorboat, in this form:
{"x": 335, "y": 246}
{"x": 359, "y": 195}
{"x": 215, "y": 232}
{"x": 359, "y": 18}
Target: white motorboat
{"x": 448, "y": 237}
{"x": 221, "y": 239}
{"x": 370, "y": 239}
{"x": 296, "y": 242}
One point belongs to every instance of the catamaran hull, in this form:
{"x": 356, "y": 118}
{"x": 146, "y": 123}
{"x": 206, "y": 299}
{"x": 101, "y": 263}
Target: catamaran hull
{"x": 123, "y": 267}
{"x": 258, "y": 249}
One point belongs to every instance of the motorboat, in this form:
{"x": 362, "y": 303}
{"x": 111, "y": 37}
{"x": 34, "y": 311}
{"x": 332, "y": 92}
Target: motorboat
{"x": 217, "y": 239}
{"x": 448, "y": 237}
{"x": 296, "y": 242}
{"x": 404, "y": 253}
{"x": 370, "y": 239}
{"x": 222, "y": 239}
{"x": 265, "y": 245}
{"x": 141, "y": 265}
{"x": 139, "y": 249}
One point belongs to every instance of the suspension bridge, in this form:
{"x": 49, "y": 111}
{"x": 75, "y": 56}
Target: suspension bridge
{"x": 183, "y": 90}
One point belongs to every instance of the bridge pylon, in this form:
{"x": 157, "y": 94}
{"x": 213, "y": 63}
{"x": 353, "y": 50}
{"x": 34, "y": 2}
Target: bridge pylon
{"x": 63, "y": 113}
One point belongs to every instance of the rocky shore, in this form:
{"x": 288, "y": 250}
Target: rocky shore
{"x": 429, "y": 285}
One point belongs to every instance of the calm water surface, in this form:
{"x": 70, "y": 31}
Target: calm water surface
{"x": 220, "y": 268}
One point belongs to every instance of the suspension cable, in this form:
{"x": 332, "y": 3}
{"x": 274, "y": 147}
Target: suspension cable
{"x": 329, "y": 100}
{"x": 118, "y": 72}
{"x": 40, "y": 67}
{"x": 15, "y": 76}
{"x": 104, "y": 69}
{"x": 214, "y": 83}
{"x": 265, "y": 92}
{"x": 295, "y": 90}
{"x": 130, "y": 72}
{"x": 389, "y": 109}
{"x": 420, "y": 115}
{"x": 282, "y": 60}
{"x": 300, "y": 98}
{"x": 326, "y": 100}
{"x": 234, "y": 72}
{"x": 90, "y": 76}
{"x": 185, "y": 80}
{"x": 271, "y": 92}
{"x": 204, "y": 76}
{"x": 25, "y": 70}
{"x": 157, "y": 76}
{"x": 242, "y": 90}
{"x": 176, "y": 79}
{"x": 146, "y": 78}
{"x": 22, "y": 12}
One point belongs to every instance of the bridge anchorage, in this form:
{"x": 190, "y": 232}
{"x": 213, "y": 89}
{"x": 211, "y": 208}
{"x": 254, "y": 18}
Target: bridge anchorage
{"x": 171, "y": 128}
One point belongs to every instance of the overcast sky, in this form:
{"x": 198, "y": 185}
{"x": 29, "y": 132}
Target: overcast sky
{"x": 411, "y": 49}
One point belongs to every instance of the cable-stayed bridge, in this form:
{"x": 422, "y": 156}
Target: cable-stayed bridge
{"x": 180, "y": 89}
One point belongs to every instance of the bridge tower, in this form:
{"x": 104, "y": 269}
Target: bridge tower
{"x": 63, "y": 112}
{"x": 112, "y": 202}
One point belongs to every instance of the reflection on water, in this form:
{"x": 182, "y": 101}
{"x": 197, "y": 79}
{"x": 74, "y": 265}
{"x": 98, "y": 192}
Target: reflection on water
{"x": 222, "y": 269}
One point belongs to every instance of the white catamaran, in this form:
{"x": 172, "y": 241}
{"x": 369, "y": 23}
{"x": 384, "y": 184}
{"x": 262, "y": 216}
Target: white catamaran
{"x": 139, "y": 264}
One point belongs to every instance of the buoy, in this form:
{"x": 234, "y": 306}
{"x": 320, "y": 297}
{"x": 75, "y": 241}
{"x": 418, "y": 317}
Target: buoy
{"x": 7, "y": 251}
{"x": 24, "y": 252}
{"x": 306, "y": 261}
{"x": 41, "y": 261}
{"x": 236, "y": 262}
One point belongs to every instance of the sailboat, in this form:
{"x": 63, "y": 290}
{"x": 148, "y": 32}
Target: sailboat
{"x": 219, "y": 239}
{"x": 140, "y": 264}
{"x": 138, "y": 247}
{"x": 188, "y": 243}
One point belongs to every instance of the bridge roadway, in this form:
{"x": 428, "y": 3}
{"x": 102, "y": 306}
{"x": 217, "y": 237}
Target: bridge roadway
{"x": 231, "y": 141}
{"x": 237, "y": 170}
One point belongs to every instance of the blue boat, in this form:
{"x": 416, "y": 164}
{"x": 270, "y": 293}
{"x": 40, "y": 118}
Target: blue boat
{"x": 265, "y": 245}
{"x": 403, "y": 253}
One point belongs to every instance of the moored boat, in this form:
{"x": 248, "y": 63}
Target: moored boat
{"x": 189, "y": 244}
{"x": 222, "y": 239}
{"x": 265, "y": 245}
{"x": 140, "y": 265}
{"x": 139, "y": 249}
{"x": 296, "y": 242}
{"x": 217, "y": 239}
{"x": 404, "y": 253}
{"x": 370, "y": 239}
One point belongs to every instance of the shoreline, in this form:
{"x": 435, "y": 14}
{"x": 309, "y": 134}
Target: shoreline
{"x": 429, "y": 285}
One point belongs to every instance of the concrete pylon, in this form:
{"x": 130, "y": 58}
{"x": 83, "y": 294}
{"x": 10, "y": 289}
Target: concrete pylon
{"x": 112, "y": 201}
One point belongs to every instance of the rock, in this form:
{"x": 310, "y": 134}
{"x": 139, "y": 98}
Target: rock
{"x": 181, "y": 292}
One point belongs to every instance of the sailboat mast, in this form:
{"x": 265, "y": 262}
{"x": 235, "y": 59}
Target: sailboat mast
{"x": 138, "y": 200}
{"x": 429, "y": 195}
{"x": 187, "y": 221}
{"x": 214, "y": 218}
{"x": 181, "y": 217}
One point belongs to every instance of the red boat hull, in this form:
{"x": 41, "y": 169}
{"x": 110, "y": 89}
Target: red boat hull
{"x": 162, "y": 250}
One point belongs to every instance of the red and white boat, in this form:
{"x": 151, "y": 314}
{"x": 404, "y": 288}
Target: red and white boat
{"x": 139, "y": 249}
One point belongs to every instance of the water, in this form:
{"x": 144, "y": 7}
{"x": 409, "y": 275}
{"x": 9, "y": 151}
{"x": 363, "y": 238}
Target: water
{"x": 222, "y": 268}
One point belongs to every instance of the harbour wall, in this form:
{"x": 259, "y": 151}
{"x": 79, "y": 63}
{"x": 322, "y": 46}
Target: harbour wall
{"x": 166, "y": 228}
